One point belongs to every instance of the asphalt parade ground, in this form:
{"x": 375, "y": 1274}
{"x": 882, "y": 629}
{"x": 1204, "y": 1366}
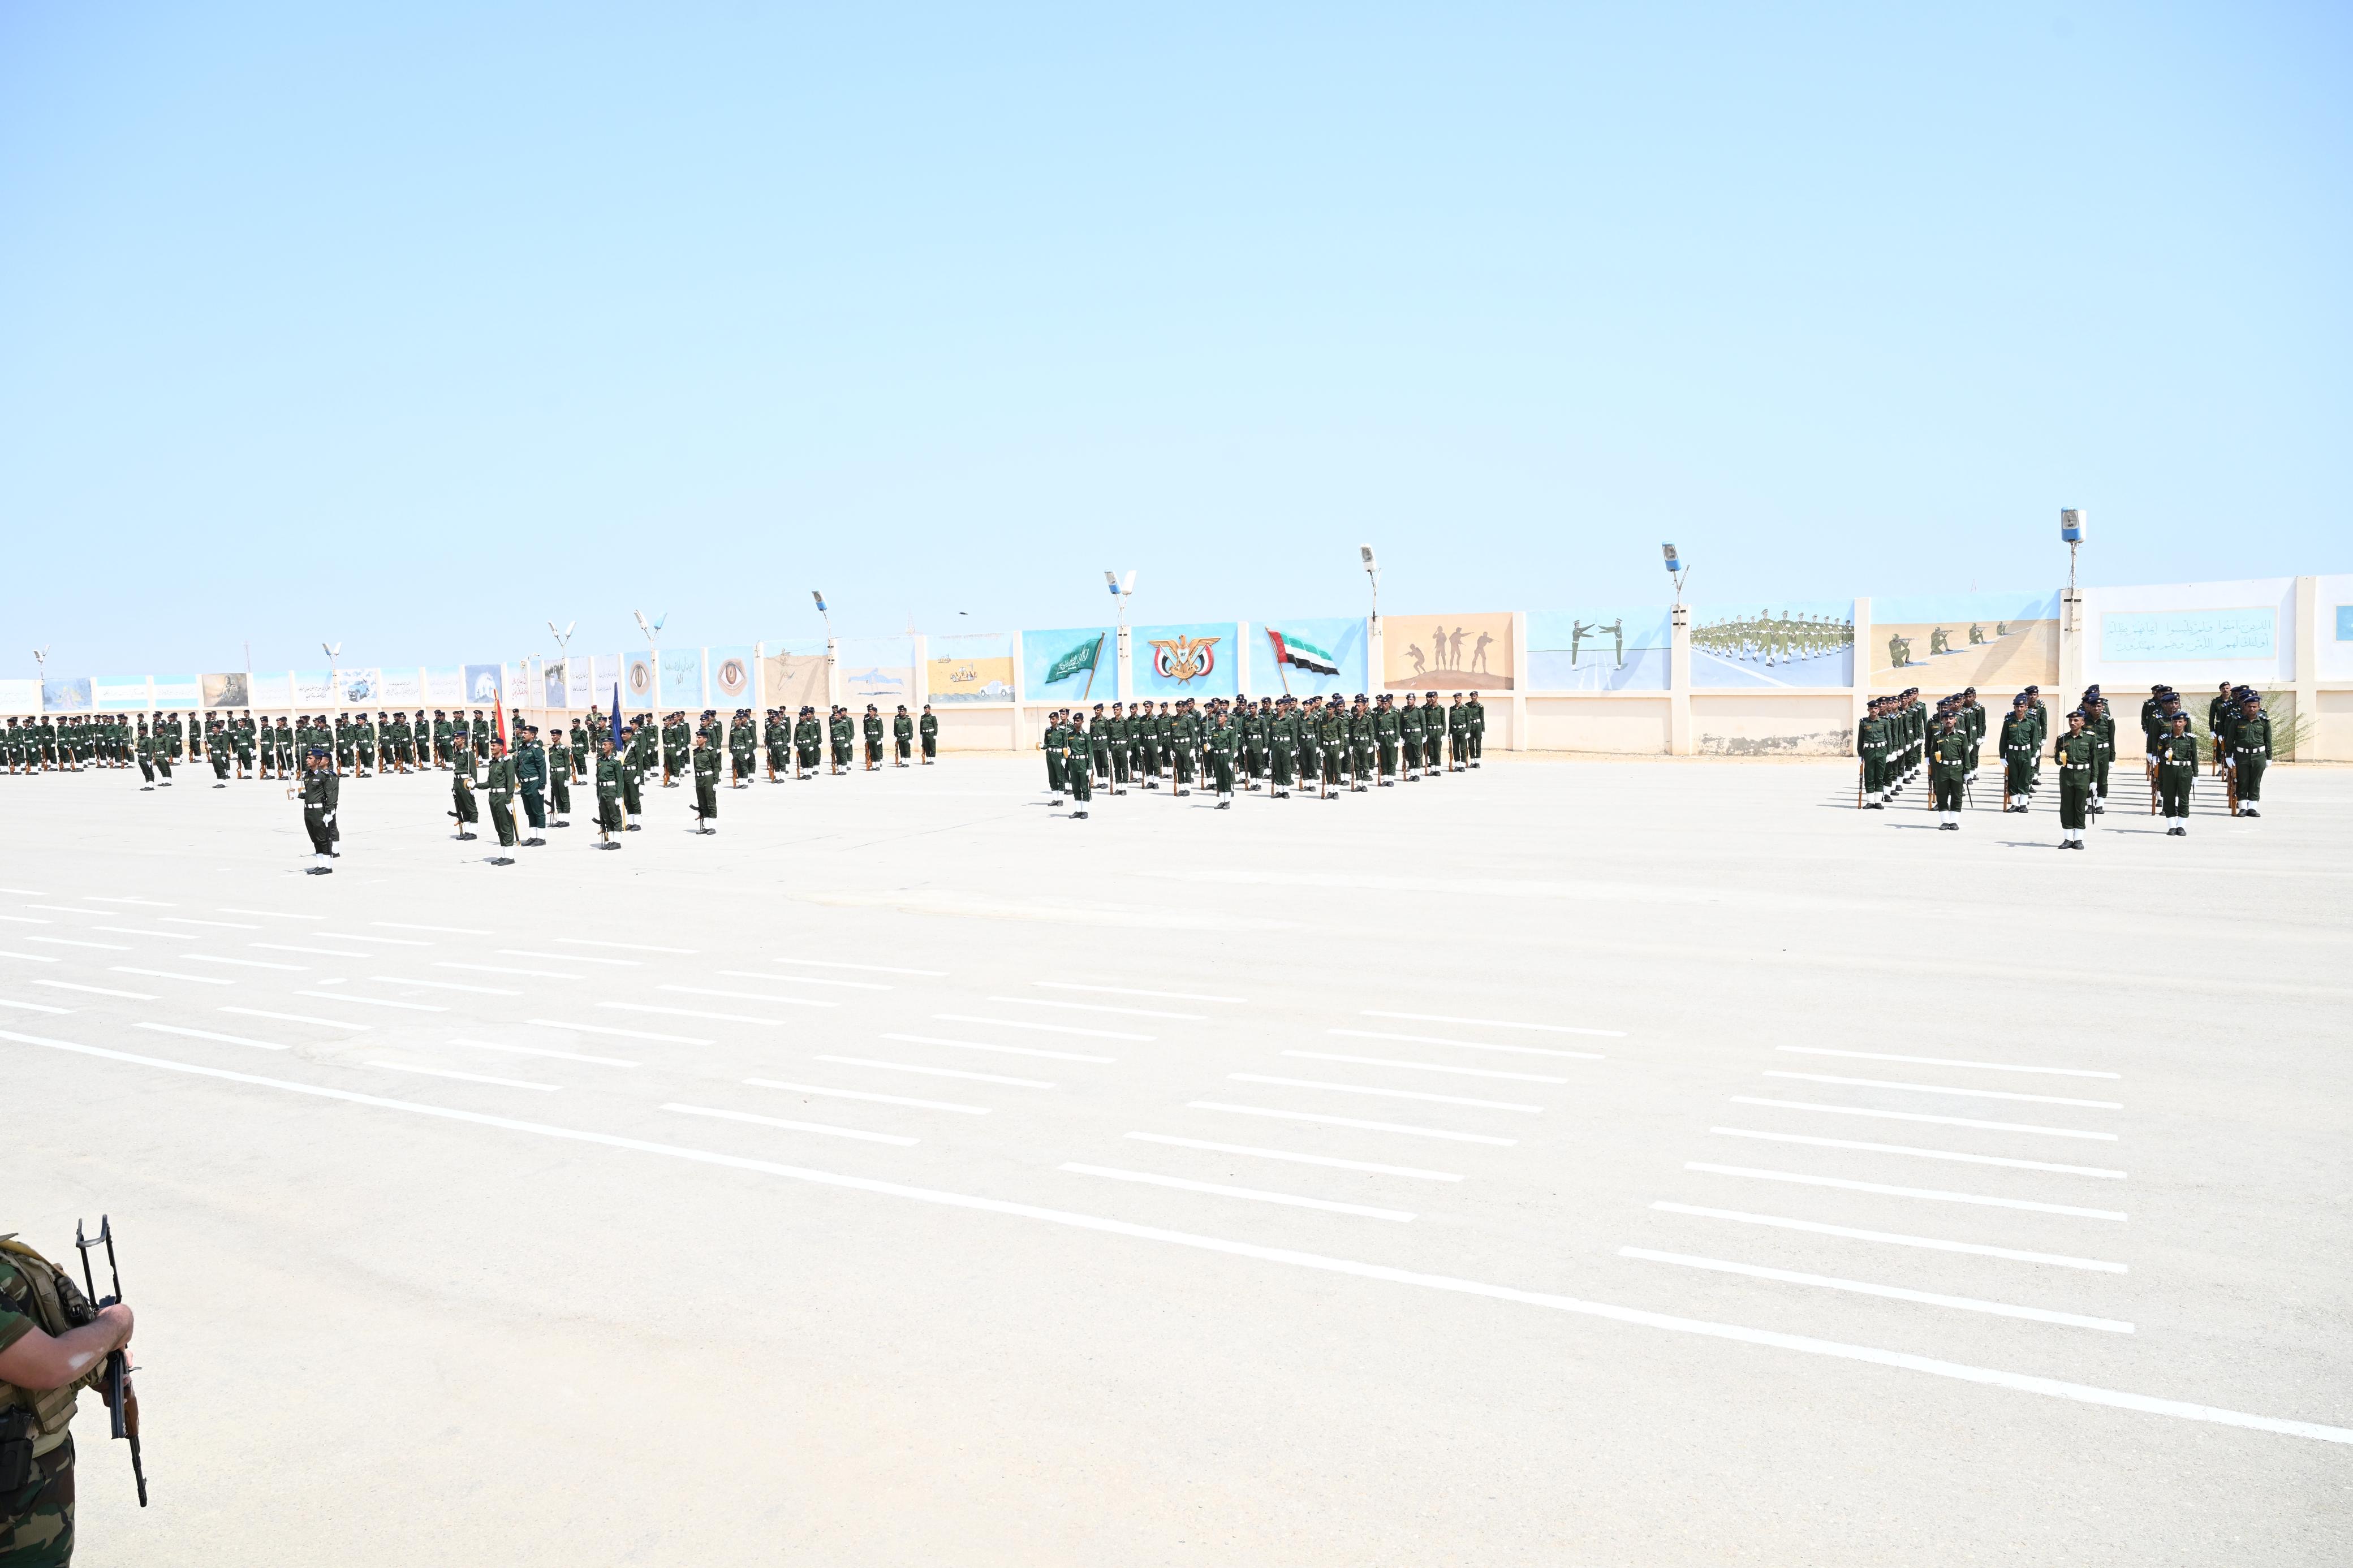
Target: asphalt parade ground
{"x": 1569, "y": 1161}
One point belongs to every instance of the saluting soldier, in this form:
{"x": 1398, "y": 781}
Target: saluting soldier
{"x": 706, "y": 784}
{"x": 2075, "y": 752}
{"x": 2176, "y": 772}
{"x": 928, "y": 729}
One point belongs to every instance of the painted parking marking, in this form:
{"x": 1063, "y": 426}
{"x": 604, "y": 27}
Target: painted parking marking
{"x": 1255, "y": 1195}
{"x": 1886, "y": 1292}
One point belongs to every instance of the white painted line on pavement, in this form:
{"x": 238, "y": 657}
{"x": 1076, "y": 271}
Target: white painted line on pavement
{"x": 1292, "y": 1156}
{"x": 1100, "y": 1007}
{"x": 1932, "y": 1243}
{"x": 384, "y": 941}
{"x": 443, "y": 985}
{"x": 93, "y": 990}
{"x": 245, "y": 962}
{"x": 1887, "y": 1293}
{"x": 32, "y": 1006}
{"x": 1953, "y": 1155}
{"x": 1944, "y": 1062}
{"x": 28, "y": 957}
{"x": 748, "y": 995}
{"x": 1930, "y": 1194}
{"x": 1489, "y": 1023}
{"x": 625, "y": 946}
{"x": 142, "y": 931}
{"x": 868, "y": 968}
{"x": 208, "y": 1035}
{"x": 503, "y": 969}
{"x": 870, "y": 1099}
{"x": 2021, "y": 1383}
{"x": 1042, "y": 1028}
{"x": 67, "y": 910}
{"x": 324, "y": 952}
{"x": 537, "y": 1051}
{"x": 1424, "y": 1067}
{"x": 2037, "y": 1129}
{"x": 1002, "y": 1050}
{"x": 69, "y": 941}
{"x": 1324, "y": 1121}
{"x": 467, "y": 1076}
{"x": 1132, "y": 991}
{"x": 270, "y": 914}
{"x": 120, "y": 898}
{"x": 568, "y": 957}
{"x": 444, "y": 931}
{"x": 170, "y": 974}
{"x": 29, "y": 892}
{"x": 818, "y": 1127}
{"x": 803, "y": 979}
{"x": 1385, "y": 1093}
{"x": 939, "y": 1072}
{"x": 28, "y": 920}
{"x": 621, "y": 1034}
{"x": 225, "y": 925}
{"x": 359, "y": 1001}
{"x": 1254, "y": 1195}
{"x": 1941, "y": 1088}
{"x": 298, "y": 1018}
{"x": 693, "y": 1013}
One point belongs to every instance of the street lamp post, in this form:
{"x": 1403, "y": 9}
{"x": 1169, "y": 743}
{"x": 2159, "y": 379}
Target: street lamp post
{"x": 1121, "y": 591}
{"x": 1373, "y": 573}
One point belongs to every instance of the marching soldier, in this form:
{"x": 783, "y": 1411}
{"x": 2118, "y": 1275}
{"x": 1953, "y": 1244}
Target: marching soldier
{"x": 461, "y": 784}
{"x": 219, "y": 752}
{"x": 706, "y": 784}
{"x": 2251, "y": 751}
{"x": 321, "y": 795}
{"x": 499, "y": 782}
{"x": 928, "y": 729}
{"x": 2177, "y": 772}
{"x": 2075, "y": 752}
{"x": 1948, "y": 765}
{"x": 608, "y": 795}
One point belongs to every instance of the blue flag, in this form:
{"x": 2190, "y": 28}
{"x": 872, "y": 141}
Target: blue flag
{"x": 616, "y": 716}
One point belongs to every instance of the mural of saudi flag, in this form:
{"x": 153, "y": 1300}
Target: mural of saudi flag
{"x": 1067, "y": 664}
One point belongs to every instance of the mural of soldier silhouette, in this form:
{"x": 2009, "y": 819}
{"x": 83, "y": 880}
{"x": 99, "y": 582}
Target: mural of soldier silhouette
{"x": 1455, "y": 653}
{"x": 2012, "y": 641}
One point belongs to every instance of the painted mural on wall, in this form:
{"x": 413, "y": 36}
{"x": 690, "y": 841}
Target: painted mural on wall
{"x": 977, "y": 667}
{"x": 1600, "y": 650}
{"x": 880, "y": 670}
{"x": 731, "y": 676}
{"x": 1450, "y": 653}
{"x": 1785, "y": 643}
{"x": 1943, "y": 642}
{"x": 1196, "y": 659}
{"x": 796, "y": 674}
{"x": 228, "y": 689}
{"x": 1071, "y": 665}
{"x": 1307, "y": 657}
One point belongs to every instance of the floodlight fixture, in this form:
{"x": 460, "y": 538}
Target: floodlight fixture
{"x": 1372, "y": 575}
{"x": 1677, "y": 569}
{"x": 2071, "y": 521}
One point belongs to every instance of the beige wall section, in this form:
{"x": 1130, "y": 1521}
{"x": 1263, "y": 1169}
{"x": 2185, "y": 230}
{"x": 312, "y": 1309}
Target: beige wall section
{"x": 2332, "y": 734}
{"x": 1773, "y": 724}
{"x": 1634, "y": 725}
{"x": 964, "y": 728}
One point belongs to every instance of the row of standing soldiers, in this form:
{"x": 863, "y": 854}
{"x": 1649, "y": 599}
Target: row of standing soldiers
{"x": 1275, "y": 743}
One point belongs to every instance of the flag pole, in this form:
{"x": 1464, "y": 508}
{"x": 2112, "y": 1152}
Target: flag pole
{"x": 1091, "y": 666}
{"x": 1281, "y": 660}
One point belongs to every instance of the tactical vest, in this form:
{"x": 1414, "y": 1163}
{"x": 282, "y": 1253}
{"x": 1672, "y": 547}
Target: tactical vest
{"x": 39, "y": 1289}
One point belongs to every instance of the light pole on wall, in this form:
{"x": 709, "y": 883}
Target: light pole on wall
{"x": 1122, "y": 592}
{"x": 562, "y": 658}
{"x": 652, "y": 630}
{"x": 333, "y": 650}
{"x": 1372, "y": 573}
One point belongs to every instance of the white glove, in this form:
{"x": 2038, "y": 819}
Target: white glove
{"x": 329, "y": 817}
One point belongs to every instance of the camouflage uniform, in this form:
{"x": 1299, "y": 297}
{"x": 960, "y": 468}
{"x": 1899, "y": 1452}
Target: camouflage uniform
{"x": 36, "y": 1518}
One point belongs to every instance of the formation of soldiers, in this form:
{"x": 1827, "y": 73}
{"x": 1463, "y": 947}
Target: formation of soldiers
{"x": 1328, "y": 744}
{"x": 1900, "y": 737}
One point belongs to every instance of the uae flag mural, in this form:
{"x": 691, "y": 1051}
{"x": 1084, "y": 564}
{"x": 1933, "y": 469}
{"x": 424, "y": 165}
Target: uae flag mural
{"x": 1297, "y": 653}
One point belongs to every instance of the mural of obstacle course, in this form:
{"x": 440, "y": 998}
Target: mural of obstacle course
{"x": 1793, "y": 643}
{"x": 1943, "y": 642}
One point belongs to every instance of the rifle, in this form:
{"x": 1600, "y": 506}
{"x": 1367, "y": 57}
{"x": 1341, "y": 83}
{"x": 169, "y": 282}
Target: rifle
{"x": 120, "y": 1398}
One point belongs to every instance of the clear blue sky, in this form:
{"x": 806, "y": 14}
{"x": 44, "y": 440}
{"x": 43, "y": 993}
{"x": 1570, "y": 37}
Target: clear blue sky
{"x": 412, "y": 326}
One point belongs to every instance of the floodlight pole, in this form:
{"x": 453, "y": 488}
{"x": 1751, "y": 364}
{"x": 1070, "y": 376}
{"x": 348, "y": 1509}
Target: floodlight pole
{"x": 832, "y": 650}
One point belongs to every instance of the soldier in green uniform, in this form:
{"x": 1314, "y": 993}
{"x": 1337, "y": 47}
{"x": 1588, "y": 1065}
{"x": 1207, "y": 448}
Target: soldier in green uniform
{"x": 2075, "y": 752}
{"x": 584, "y": 750}
{"x": 1223, "y": 743}
{"x": 902, "y": 737}
{"x": 2251, "y": 752}
{"x": 2018, "y": 746}
{"x": 1078, "y": 762}
{"x": 676, "y": 737}
{"x": 53, "y": 1342}
{"x": 742, "y": 742}
{"x": 2176, "y": 772}
{"x": 559, "y": 777}
{"x": 163, "y": 753}
{"x": 1409, "y": 733}
{"x": 461, "y": 784}
{"x": 927, "y": 729}
{"x": 777, "y": 738}
{"x": 870, "y": 728}
{"x": 1389, "y": 731}
{"x": 1098, "y": 733}
{"x": 1147, "y": 732}
{"x": 441, "y": 732}
{"x": 1332, "y": 748}
{"x": 1281, "y": 749}
{"x": 841, "y": 735}
{"x": 322, "y": 795}
{"x": 706, "y": 784}
{"x": 499, "y": 781}
{"x": 1973, "y": 725}
{"x": 2220, "y": 709}
{"x": 2101, "y": 726}
{"x": 1948, "y": 766}
{"x": 637, "y": 760}
{"x": 1052, "y": 743}
{"x": 530, "y": 759}
{"x": 608, "y": 795}
{"x": 219, "y": 752}
{"x": 1871, "y": 752}
{"x": 146, "y": 747}
{"x": 1478, "y": 727}
{"x": 807, "y": 737}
